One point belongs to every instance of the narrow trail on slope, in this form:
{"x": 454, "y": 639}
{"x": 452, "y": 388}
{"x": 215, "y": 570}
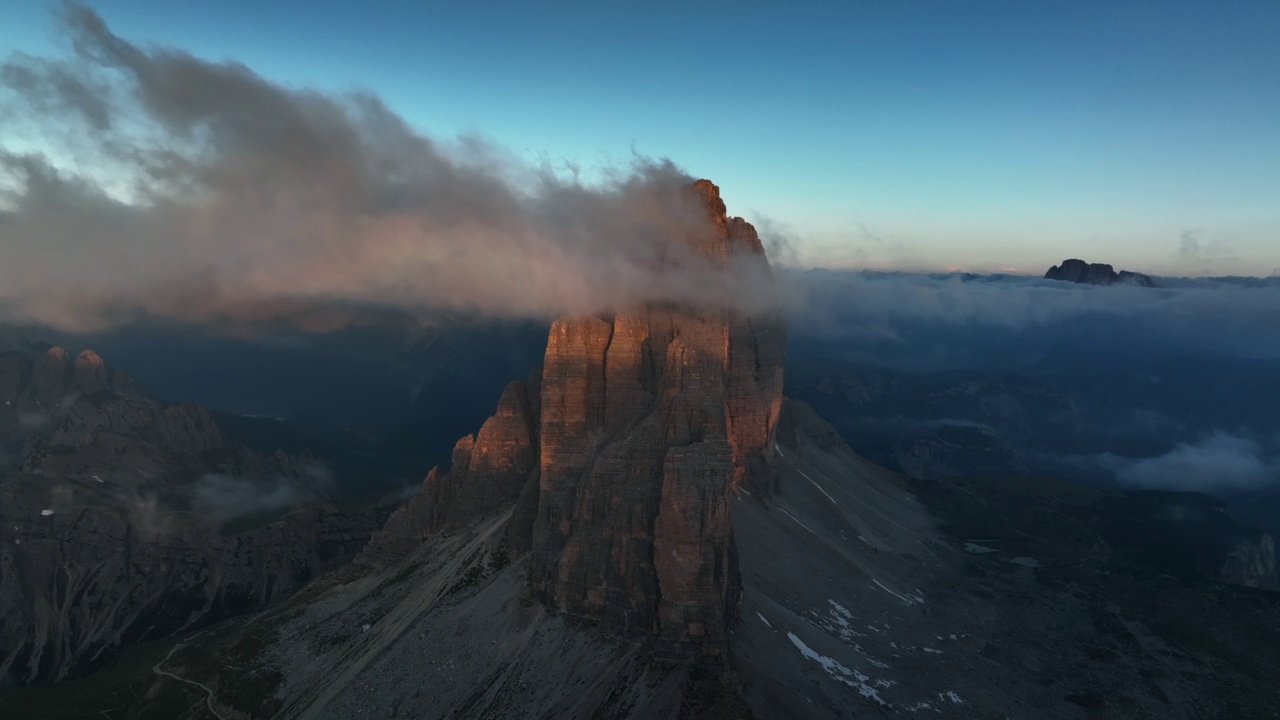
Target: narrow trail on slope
{"x": 208, "y": 700}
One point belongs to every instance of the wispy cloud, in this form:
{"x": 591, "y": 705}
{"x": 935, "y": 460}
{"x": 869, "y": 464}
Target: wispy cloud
{"x": 1219, "y": 462}
{"x": 144, "y": 181}
{"x": 222, "y": 497}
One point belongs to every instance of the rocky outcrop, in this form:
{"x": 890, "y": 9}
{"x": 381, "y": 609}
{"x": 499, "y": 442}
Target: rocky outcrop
{"x": 489, "y": 470}
{"x": 952, "y": 451}
{"x": 61, "y": 417}
{"x": 1078, "y": 271}
{"x": 1191, "y": 535}
{"x": 89, "y": 374}
{"x": 624, "y": 399}
{"x": 79, "y": 582}
{"x": 621, "y": 456}
{"x": 1251, "y": 563}
{"x": 649, "y": 419}
{"x": 111, "y": 504}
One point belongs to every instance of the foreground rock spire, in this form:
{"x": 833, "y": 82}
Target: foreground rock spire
{"x": 624, "y": 453}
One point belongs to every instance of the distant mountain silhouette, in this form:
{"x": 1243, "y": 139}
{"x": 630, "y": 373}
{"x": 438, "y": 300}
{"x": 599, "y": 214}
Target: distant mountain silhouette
{"x": 1078, "y": 271}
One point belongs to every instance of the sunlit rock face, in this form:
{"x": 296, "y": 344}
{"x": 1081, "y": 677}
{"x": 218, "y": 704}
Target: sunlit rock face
{"x": 621, "y": 455}
{"x": 648, "y": 420}
{"x": 489, "y": 469}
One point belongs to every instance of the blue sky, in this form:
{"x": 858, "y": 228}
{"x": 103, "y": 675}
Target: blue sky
{"x": 885, "y": 133}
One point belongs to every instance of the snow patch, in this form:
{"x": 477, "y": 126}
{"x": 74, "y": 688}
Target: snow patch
{"x": 764, "y": 620}
{"x": 793, "y": 517}
{"x": 1026, "y": 562}
{"x": 837, "y": 671}
{"x": 977, "y": 549}
{"x": 46, "y": 513}
{"x": 952, "y": 696}
{"x": 824, "y": 492}
{"x": 931, "y": 650}
{"x": 909, "y": 600}
{"x": 777, "y": 448}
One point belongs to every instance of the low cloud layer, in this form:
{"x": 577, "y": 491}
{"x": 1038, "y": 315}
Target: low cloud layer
{"x": 145, "y": 182}
{"x": 1218, "y": 463}
{"x": 929, "y": 322}
{"x": 221, "y": 498}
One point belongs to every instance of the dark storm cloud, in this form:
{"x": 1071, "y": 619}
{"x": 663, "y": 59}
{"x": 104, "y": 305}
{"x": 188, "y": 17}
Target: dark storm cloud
{"x": 143, "y": 181}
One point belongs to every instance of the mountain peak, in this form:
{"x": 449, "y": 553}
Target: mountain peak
{"x": 621, "y": 457}
{"x": 1080, "y": 272}
{"x": 710, "y": 193}
{"x": 90, "y": 373}
{"x": 729, "y": 236}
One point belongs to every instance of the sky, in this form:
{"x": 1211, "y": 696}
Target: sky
{"x": 885, "y": 134}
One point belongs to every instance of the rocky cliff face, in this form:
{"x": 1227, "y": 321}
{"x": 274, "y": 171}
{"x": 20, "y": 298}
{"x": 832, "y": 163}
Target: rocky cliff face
{"x": 110, "y": 506}
{"x": 1190, "y": 535}
{"x": 648, "y": 421}
{"x": 489, "y": 469}
{"x": 1078, "y": 271}
{"x": 62, "y": 417}
{"x": 1252, "y": 563}
{"x": 621, "y": 457}
{"x": 78, "y": 583}
{"x": 952, "y": 451}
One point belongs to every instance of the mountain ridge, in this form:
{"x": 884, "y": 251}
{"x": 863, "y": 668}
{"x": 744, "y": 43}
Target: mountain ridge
{"x": 1080, "y": 272}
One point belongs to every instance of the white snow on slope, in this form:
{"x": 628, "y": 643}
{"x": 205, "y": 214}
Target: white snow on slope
{"x": 909, "y": 600}
{"x": 824, "y": 492}
{"x": 793, "y": 517}
{"x": 852, "y": 678}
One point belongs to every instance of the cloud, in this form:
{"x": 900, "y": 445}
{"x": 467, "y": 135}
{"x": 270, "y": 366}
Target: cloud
{"x": 1199, "y": 254}
{"x": 1219, "y": 462}
{"x": 780, "y": 240}
{"x": 201, "y": 191}
{"x": 220, "y": 497}
{"x": 936, "y": 321}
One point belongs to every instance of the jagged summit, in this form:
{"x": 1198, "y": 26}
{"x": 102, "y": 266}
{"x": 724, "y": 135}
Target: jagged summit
{"x": 731, "y": 236}
{"x": 649, "y": 483}
{"x": 710, "y": 193}
{"x": 623, "y": 453}
{"x": 1078, "y": 271}
{"x": 106, "y": 535}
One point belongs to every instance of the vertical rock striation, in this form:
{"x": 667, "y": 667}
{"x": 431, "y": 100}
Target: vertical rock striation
{"x": 489, "y": 470}
{"x": 648, "y": 420}
{"x": 621, "y": 456}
